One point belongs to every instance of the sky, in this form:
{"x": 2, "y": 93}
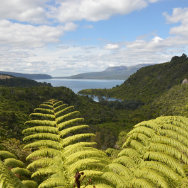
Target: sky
{"x": 67, "y": 37}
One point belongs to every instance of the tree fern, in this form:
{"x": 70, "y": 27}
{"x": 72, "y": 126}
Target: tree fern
{"x": 154, "y": 155}
{"x": 8, "y": 179}
{"x": 10, "y": 167}
{"x": 61, "y": 145}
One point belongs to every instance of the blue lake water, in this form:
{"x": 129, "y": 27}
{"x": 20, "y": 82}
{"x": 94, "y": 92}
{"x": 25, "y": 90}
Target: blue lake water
{"x": 79, "y": 84}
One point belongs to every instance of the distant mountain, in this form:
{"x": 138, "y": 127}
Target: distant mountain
{"x": 29, "y": 76}
{"x": 111, "y": 73}
{"x": 148, "y": 82}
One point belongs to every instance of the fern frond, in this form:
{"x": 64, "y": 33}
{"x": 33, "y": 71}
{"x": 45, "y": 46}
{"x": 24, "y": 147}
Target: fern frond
{"x": 171, "y": 142}
{"x": 46, "y": 106}
{"x": 6, "y": 154}
{"x": 12, "y": 162}
{"x": 40, "y": 123}
{"x": 44, "y": 172}
{"x": 8, "y": 179}
{"x": 126, "y": 161}
{"x": 52, "y": 182}
{"x": 46, "y": 143}
{"x": 173, "y": 134}
{"x": 85, "y": 154}
{"x": 170, "y": 161}
{"x": 98, "y": 186}
{"x": 67, "y": 116}
{"x": 21, "y": 171}
{"x": 48, "y": 136}
{"x": 172, "y": 151}
{"x": 132, "y": 153}
{"x": 30, "y": 184}
{"x": 43, "y": 110}
{"x": 41, "y": 116}
{"x": 141, "y": 182}
{"x": 161, "y": 167}
{"x": 84, "y": 164}
{"x": 140, "y": 128}
{"x": 75, "y": 138}
{"x": 44, "y": 152}
{"x": 80, "y": 146}
{"x": 116, "y": 180}
{"x": 70, "y": 122}
{"x": 43, "y": 162}
{"x": 62, "y": 112}
{"x": 153, "y": 176}
{"x": 40, "y": 129}
{"x": 64, "y": 132}
{"x": 57, "y": 103}
{"x": 120, "y": 170}
{"x": 58, "y": 108}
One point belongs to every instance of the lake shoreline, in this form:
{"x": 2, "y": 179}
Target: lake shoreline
{"x": 80, "y": 84}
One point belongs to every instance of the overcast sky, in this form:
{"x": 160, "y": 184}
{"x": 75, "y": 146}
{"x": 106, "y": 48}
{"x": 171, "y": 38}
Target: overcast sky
{"x": 66, "y": 37}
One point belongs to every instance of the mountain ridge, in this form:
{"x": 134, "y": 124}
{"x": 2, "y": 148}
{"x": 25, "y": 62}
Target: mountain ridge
{"x": 111, "y": 73}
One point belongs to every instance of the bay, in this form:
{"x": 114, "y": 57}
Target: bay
{"x": 79, "y": 84}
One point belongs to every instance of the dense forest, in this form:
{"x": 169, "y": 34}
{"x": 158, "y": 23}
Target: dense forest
{"x": 51, "y": 137}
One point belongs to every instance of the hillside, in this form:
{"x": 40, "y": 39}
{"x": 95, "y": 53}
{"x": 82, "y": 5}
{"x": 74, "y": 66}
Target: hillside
{"x": 11, "y": 81}
{"x": 111, "y": 73}
{"x": 149, "y": 82}
{"x": 172, "y": 102}
{"x": 16, "y": 104}
{"x": 29, "y": 76}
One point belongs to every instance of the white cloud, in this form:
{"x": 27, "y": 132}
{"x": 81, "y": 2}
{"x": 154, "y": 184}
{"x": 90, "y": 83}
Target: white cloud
{"x": 95, "y": 10}
{"x": 69, "y": 26}
{"x": 179, "y": 15}
{"x": 72, "y": 59}
{"x": 25, "y": 35}
{"x": 40, "y": 11}
{"x": 111, "y": 46}
{"x": 32, "y": 11}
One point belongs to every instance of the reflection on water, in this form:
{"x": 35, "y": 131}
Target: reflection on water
{"x": 97, "y": 99}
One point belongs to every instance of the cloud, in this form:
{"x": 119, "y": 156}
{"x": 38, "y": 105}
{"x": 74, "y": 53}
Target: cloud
{"x": 46, "y": 11}
{"x": 179, "y": 15}
{"x": 24, "y": 47}
{"x": 32, "y": 11}
{"x": 88, "y": 26}
{"x": 95, "y": 10}
{"x": 69, "y": 26}
{"x": 25, "y": 35}
{"x": 111, "y": 46}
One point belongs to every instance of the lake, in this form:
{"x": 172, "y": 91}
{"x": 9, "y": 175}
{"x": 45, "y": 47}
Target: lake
{"x": 80, "y": 84}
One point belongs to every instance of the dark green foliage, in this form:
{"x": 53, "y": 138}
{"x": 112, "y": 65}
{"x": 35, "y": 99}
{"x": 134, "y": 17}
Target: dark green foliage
{"x": 172, "y": 102}
{"x": 21, "y": 82}
{"x": 17, "y": 103}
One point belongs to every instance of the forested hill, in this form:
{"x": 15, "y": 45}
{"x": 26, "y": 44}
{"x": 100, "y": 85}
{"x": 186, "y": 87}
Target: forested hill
{"x": 149, "y": 82}
{"x": 29, "y": 76}
{"x": 11, "y": 81}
